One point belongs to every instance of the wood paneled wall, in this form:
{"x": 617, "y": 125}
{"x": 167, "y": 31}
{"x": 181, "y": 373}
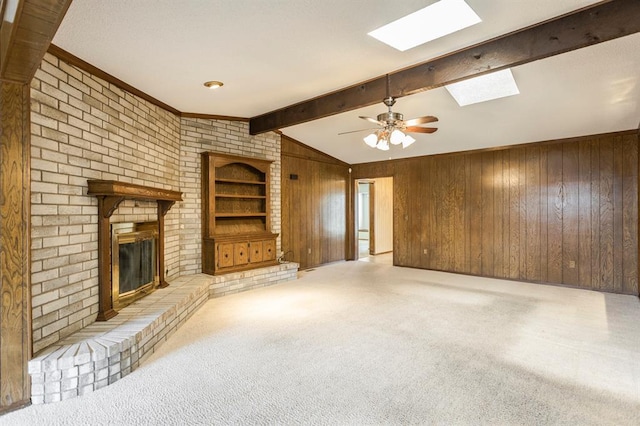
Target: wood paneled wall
{"x": 15, "y": 289}
{"x": 562, "y": 212}
{"x": 314, "y": 206}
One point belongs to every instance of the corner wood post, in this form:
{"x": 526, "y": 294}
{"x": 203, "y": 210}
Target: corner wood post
{"x": 163, "y": 208}
{"x": 106, "y": 206}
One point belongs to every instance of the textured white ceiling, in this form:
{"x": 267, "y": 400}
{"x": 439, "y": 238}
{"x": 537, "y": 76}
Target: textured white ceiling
{"x": 274, "y": 53}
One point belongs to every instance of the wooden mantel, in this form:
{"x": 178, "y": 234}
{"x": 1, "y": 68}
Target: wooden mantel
{"x": 110, "y": 194}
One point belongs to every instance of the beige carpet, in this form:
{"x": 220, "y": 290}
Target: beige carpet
{"x": 368, "y": 343}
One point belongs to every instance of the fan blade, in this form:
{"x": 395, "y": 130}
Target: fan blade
{"x": 416, "y": 129}
{"x": 355, "y": 131}
{"x": 421, "y": 120}
{"x": 372, "y": 120}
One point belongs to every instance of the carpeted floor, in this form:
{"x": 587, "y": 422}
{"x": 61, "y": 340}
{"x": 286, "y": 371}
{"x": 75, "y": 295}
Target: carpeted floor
{"x": 368, "y": 343}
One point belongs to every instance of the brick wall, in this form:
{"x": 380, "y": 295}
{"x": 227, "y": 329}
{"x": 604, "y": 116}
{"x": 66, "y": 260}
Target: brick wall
{"x": 85, "y": 128}
{"x": 230, "y": 137}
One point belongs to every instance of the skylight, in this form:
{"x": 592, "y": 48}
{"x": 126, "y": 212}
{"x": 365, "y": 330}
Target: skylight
{"x": 499, "y": 84}
{"x": 430, "y": 23}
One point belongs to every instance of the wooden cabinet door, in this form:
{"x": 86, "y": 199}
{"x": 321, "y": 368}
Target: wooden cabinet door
{"x": 225, "y": 255}
{"x": 241, "y": 254}
{"x": 256, "y": 251}
{"x": 268, "y": 250}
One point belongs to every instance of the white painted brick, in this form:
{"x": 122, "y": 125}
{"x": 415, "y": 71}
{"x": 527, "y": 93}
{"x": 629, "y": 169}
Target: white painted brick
{"x": 68, "y": 394}
{"x": 52, "y": 397}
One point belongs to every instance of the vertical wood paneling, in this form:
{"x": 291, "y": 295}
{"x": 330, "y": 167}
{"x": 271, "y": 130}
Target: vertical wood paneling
{"x": 445, "y": 195}
{"x": 437, "y": 225}
{"x": 618, "y": 242}
{"x": 15, "y": 306}
{"x": 458, "y": 214}
{"x": 486, "y": 178}
{"x": 314, "y": 215}
{"x": 524, "y": 212}
{"x": 402, "y": 253}
{"x": 532, "y": 171}
{"x": 554, "y": 214}
{"x": 522, "y": 190}
{"x": 606, "y": 215}
{"x": 596, "y": 277}
{"x": 506, "y": 208}
{"x": 416, "y": 221}
{"x": 514, "y": 214}
{"x": 498, "y": 222}
{"x": 544, "y": 201}
{"x": 584, "y": 214}
{"x": 428, "y": 209}
{"x": 629, "y": 216}
{"x": 467, "y": 215}
{"x": 474, "y": 209}
{"x": 570, "y": 194}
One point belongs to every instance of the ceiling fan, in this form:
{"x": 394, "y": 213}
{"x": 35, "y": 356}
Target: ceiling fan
{"x": 393, "y": 127}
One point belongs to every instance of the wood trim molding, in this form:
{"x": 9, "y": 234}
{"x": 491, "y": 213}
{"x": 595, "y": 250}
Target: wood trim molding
{"x": 213, "y": 117}
{"x": 71, "y": 59}
{"x": 110, "y": 194}
{"x": 585, "y": 27}
{"x": 15, "y": 241}
{"x": 24, "y": 42}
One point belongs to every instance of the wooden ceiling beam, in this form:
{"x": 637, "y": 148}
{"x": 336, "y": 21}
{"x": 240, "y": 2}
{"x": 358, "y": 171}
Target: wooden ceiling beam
{"x": 24, "y": 41}
{"x": 585, "y": 27}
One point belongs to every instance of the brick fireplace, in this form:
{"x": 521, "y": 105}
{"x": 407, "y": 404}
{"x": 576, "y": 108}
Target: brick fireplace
{"x": 84, "y": 128}
{"x": 110, "y": 194}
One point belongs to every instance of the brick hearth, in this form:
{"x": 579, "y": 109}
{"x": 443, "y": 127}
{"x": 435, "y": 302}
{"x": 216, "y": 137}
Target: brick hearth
{"x": 104, "y": 352}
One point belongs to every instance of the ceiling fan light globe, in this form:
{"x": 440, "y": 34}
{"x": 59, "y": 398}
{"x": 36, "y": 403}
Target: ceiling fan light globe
{"x": 408, "y": 140}
{"x": 396, "y": 137}
{"x": 383, "y": 145}
{"x": 371, "y": 140}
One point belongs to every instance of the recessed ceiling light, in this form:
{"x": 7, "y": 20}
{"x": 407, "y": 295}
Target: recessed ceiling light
{"x": 213, "y": 84}
{"x": 430, "y": 23}
{"x": 499, "y": 84}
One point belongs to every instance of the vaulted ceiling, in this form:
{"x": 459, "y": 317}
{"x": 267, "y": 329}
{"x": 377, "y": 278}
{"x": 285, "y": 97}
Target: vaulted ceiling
{"x": 273, "y": 54}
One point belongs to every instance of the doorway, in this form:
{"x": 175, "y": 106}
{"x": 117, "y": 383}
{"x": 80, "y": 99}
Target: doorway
{"x": 374, "y": 219}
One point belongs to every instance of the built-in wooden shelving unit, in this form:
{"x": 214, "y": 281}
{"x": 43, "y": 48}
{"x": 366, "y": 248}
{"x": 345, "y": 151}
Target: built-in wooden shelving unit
{"x": 236, "y": 232}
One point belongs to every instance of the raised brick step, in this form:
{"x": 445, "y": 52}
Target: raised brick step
{"x": 104, "y": 352}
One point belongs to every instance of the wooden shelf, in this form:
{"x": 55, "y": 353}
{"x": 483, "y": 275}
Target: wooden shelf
{"x": 236, "y": 214}
{"x": 241, "y": 215}
{"x": 113, "y": 188}
{"x": 250, "y": 182}
{"x": 259, "y": 197}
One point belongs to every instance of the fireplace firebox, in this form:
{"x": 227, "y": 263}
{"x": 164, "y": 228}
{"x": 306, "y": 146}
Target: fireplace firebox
{"x": 134, "y": 272}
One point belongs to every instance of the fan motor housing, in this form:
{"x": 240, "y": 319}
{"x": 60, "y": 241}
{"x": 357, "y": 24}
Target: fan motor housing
{"x": 390, "y": 117}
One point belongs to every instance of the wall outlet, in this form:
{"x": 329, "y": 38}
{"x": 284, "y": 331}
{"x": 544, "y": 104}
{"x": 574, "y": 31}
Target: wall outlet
{"x": 572, "y": 264}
